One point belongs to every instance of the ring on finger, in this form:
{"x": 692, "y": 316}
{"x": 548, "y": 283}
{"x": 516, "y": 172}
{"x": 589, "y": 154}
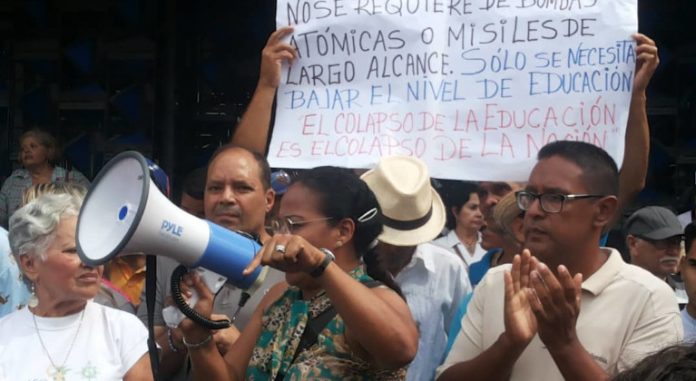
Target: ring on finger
{"x": 280, "y": 248}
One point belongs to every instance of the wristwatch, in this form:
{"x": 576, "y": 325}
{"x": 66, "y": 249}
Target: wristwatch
{"x": 328, "y": 258}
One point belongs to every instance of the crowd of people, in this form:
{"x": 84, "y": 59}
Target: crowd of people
{"x": 374, "y": 275}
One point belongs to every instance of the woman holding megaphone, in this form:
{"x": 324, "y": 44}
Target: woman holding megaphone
{"x": 339, "y": 316}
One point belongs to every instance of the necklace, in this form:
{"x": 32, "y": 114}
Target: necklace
{"x": 59, "y": 372}
{"x": 470, "y": 245}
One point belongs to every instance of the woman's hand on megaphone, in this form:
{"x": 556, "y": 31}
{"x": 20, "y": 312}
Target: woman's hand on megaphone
{"x": 224, "y": 338}
{"x": 287, "y": 253}
{"x": 204, "y": 306}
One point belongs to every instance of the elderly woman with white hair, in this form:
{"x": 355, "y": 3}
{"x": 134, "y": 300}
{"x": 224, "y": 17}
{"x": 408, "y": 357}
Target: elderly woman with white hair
{"x": 63, "y": 335}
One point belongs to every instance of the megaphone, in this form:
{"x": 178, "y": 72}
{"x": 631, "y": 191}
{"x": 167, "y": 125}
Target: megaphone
{"x": 124, "y": 213}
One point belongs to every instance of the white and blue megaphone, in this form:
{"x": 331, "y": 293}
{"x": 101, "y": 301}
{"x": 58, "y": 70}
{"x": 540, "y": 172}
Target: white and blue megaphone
{"x": 125, "y": 213}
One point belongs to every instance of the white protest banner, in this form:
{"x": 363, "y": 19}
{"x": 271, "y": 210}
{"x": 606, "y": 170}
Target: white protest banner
{"x": 473, "y": 87}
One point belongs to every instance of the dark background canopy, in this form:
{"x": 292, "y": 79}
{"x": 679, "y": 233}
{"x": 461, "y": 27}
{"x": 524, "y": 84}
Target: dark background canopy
{"x": 171, "y": 78}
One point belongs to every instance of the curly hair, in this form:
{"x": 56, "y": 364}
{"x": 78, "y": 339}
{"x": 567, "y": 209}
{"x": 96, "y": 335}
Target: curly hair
{"x": 33, "y": 226}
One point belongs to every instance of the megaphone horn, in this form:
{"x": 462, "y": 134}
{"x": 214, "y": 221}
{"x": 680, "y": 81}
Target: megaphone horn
{"x": 124, "y": 212}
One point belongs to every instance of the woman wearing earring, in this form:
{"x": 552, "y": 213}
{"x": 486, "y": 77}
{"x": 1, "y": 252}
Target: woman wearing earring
{"x": 331, "y": 320}
{"x": 63, "y": 335}
{"x": 39, "y": 155}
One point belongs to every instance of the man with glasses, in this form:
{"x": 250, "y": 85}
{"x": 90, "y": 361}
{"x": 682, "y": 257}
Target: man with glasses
{"x": 565, "y": 309}
{"x": 654, "y": 238}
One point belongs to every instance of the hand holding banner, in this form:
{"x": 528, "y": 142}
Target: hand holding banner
{"x": 473, "y": 87}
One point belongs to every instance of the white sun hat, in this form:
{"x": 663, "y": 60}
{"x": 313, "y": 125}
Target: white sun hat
{"x": 413, "y": 212}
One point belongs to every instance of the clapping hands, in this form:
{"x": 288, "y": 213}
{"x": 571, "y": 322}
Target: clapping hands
{"x": 539, "y": 301}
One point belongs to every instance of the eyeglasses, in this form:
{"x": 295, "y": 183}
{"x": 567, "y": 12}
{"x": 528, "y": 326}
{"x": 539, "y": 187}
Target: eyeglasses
{"x": 664, "y": 244}
{"x": 550, "y": 202}
{"x": 288, "y": 225}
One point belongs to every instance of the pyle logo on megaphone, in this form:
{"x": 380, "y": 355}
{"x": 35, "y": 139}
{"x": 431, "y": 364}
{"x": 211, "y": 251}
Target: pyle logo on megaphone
{"x": 171, "y": 229}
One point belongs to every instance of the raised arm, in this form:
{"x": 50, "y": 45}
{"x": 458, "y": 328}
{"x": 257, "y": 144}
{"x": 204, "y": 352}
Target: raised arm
{"x": 637, "y": 145}
{"x": 378, "y": 320}
{"x": 252, "y": 131}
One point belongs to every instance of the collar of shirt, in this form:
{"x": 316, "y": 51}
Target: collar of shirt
{"x": 59, "y": 173}
{"x": 598, "y": 281}
{"x": 451, "y": 239}
{"x": 21, "y": 173}
{"x": 126, "y": 279}
{"x": 423, "y": 257}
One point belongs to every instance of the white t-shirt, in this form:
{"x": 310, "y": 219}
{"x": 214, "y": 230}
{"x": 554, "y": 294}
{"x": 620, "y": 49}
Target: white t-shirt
{"x": 107, "y": 344}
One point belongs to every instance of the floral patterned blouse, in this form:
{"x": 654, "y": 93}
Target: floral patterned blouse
{"x": 329, "y": 359}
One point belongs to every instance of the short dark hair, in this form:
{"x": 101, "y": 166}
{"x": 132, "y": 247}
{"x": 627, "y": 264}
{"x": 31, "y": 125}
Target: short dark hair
{"x": 194, "y": 183}
{"x": 673, "y": 363}
{"x": 600, "y": 173}
{"x": 689, "y": 236}
{"x": 456, "y": 194}
{"x": 264, "y": 167}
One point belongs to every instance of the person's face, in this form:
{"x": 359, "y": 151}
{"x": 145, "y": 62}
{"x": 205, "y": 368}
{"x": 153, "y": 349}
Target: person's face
{"x": 32, "y": 152}
{"x": 688, "y": 273}
{"x": 234, "y": 195}
{"x": 62, "y": 277}
{"x": 659, "y": 257}
{"x": 492, "y": 234}
{"x": 192, "y": 205}
{"x": 469, "y": 215}
{"x": 549, "y": 235}
{"x": 301, "y": 204}
{"x": 491, "y": 192}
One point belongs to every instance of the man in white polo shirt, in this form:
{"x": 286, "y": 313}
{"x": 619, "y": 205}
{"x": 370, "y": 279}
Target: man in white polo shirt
{"x": 525, "y": 322}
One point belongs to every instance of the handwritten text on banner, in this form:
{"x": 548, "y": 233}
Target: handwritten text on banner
{"x": 473, "y": 87}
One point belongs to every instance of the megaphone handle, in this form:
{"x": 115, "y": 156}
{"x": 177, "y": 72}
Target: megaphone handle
{"x": 186, "y": 309}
